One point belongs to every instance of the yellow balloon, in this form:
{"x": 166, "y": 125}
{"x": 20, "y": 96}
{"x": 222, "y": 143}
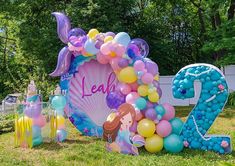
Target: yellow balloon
{"x": 108, "y": 38}
{"x": 154, "y": 144}
{"x": 127, "y": 75}
{"x": 156, "y": 77}
{"x": 153, "y": 97}
{"x": 146, "y": 127}
{"x": 143, "y": 90}
{"x": 111, "y": 117}
{"x": 60, "y": 120}
{"x": 92, "y": 33}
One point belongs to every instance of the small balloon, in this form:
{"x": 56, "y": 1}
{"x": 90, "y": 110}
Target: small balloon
{"x": 154, "y": 144}
{"x": 122, "y": 38}
{"x": 141, "y": 103}
{"x": 142, "y": 45}
{"x": 164, "y": 128}
{"x": 150, "y": 114}
{"x": 92, "y": 33}
{"x": 58, "y": 102}
{"x": 146, "y": 127}
{"x": 170, "y": 111}
{"x": 90, "y": 47}
{"x": 76, "y": 32}
{"x": 115, "y": 99}
{"x": 131, "y": 97}
{"x": 177, "y": 125}
{"x": 36, "y": 131}
{"x": 127, "y": 75}
{"x": 61, "y": 135}
{"x": 173, "y": 143}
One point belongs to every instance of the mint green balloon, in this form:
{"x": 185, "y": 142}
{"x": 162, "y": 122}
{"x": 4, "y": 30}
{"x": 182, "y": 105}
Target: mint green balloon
{"x": 173, "y": 143}
{"x": 177, "y": 125}
{"x": 37, "y": 141}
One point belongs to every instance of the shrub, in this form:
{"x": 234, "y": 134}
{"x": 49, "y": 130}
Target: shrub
{"x": 6, "y": 123}
{"x": 231, "y": 99}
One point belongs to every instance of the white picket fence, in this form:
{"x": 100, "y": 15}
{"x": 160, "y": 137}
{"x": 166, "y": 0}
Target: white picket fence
{"x": 166, "y": 84}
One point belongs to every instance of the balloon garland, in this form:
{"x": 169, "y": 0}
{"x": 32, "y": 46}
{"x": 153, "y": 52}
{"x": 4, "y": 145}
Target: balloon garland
{"x": 138, "y": 84}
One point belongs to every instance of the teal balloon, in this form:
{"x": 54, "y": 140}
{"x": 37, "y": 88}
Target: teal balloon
{"x": 176, "y": 124}
{"x": 61, "y": 135}
{"x": 36, "y": 131}
{"x": 173, "y": 143}
{"x": 58, "y": 102}
{"x": 122, "y": 38}
{"x": 160, "y": 110}
{"x": 141, "y": 103}
{"x": 37, "y": 141}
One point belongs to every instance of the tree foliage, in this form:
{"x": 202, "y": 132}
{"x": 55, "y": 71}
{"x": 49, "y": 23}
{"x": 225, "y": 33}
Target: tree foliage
{"x": 178, "y": 32}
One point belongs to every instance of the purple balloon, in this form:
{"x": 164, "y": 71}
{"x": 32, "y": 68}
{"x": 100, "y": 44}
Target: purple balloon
{"x": 33, "y": 110}
{"x": 142, "y": 45}
{"x": 150, "y": 114}
{"x": 151, "y": 66}
{"x": 123, "y": 63}
{"x": 63, "y": 26}
{"x": 115, "y": 99}
{"x": 110, "y": 34}
{"x": 159, "y": 91}
{"x": 149, "y": 104}
{"x": 156, "y": 84}
{"x": 76, "y": 32}
{"x": 98, "y": 44}
{"x": 63, "y": 62}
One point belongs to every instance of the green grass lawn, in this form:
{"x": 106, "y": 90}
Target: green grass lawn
{"x": 81, "y": 150}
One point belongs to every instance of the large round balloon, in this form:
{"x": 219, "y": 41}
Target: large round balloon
{"x": 86, "y": 94}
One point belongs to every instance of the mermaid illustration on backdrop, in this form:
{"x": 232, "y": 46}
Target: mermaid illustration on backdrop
{"x": 117, "y": 130}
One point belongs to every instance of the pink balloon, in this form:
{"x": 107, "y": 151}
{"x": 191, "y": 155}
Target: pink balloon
{"x": 39, "y": 121}
{"x": 134, "y": 86}
{"x": 131, "y": 97}
{"x": 105, "y": 48}
{"x": 139, "y": 115}
{"x": 114, "y": 64}
{"x": 125, "y": 88}
{"x": 170, "y": 111}
{"x": 101, "y": 58}
{"x": 147, "y": 78}
{"x": 139, "y": 65}
{"x": 120, "y": 50}
{"x": 164, "y": 128}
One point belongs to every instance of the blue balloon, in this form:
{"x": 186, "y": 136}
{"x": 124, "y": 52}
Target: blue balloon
{"x": 177, "y": 125}
{"x": 58, "y": 102}
{"x": 36, "y": 131}
{"x": 122, "y": 38}
{"x": 141, "y": 103}
{"x": 173, "y": 143}
{"x": 90, "y": 48}
{"x": 61, "y": 135}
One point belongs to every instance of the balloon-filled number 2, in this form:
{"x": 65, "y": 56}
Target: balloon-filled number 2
{"x": 213, "y": 97}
